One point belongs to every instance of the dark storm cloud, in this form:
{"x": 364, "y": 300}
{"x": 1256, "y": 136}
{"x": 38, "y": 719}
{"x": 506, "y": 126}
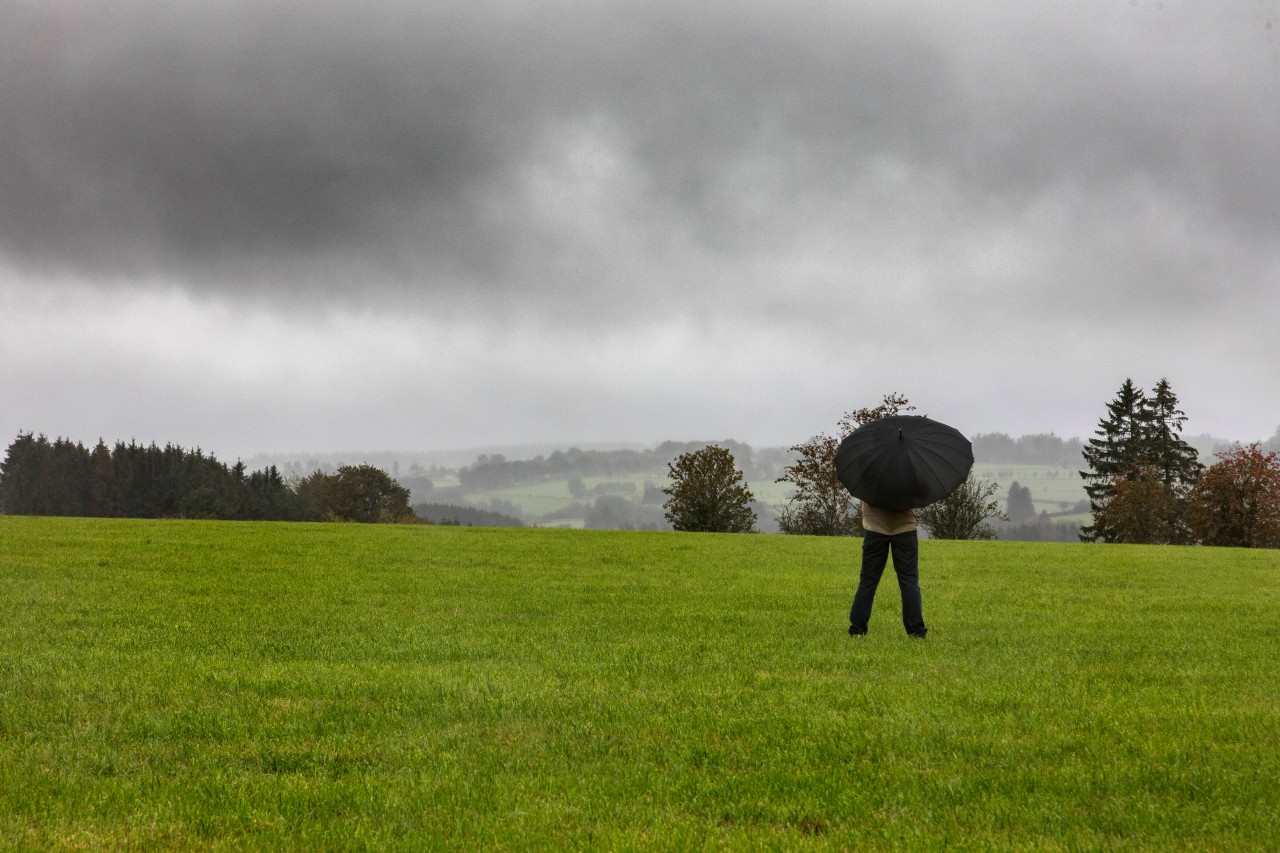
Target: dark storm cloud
{"x": 326, "y": 147}
{"x": 186, "y": 136}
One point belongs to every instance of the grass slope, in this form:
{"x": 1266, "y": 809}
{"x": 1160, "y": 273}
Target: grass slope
{"x": 220, "y": 685}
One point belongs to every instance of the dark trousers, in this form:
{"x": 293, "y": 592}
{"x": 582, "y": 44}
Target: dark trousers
{"x": 875, "y": 553}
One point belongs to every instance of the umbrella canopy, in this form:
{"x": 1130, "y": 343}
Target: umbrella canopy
{"x": 903, "y": 462}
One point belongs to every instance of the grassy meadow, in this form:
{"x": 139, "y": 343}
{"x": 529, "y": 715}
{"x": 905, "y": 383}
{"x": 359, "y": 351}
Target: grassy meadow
{"x": 217, "y": 685}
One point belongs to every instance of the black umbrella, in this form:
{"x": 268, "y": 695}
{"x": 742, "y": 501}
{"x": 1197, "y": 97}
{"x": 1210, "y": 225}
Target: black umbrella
{"x": 903, "y": 462}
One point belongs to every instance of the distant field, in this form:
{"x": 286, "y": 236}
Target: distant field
{"x": 540, "y": 498}
{"x": 217, "y": 685}
{"x": 535, "y": 500}
{"x": 1053, "y": 489}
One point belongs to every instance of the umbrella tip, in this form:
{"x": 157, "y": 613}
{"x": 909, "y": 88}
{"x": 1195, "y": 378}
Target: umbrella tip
{"x": 899, "y": 433}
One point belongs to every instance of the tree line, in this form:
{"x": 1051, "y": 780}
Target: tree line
{"x": 461, "y": 515}
{"x": 62, "y": 477}
{"x": 492, "y": 472}
{"x": 1037, "y": 449}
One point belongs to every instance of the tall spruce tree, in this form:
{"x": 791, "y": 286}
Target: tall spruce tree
{"x": 1113, "y": 454}
{"x": 1176, "y": 464}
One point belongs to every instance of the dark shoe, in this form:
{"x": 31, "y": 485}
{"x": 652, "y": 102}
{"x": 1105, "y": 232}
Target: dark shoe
{"x": 854, "y": 632}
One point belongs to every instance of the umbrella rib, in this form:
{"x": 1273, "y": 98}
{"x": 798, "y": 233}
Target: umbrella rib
{"x": 923, "y": 470}
{"x": 923, "y": 454}
{"x": 942, "y": 457}
{"x": 944, "y": 460}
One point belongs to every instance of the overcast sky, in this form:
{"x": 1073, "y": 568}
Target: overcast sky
{"x": 261, "y": 226}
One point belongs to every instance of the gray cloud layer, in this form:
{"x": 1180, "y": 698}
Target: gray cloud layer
{"x": 1092, "y": 185}
{"x": 305, "y": 146}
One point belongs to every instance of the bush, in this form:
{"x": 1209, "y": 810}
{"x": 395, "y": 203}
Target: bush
{"x": 963, "y": 514}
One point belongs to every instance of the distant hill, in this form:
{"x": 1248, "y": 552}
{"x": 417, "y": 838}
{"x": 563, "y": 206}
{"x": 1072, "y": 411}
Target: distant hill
{"x": 424, "y": 459}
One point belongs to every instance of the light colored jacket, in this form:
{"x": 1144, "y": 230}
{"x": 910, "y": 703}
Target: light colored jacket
{"x": 887, "y": 521}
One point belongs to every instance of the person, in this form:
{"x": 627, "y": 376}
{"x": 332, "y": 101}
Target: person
{"x": 888, "y": 530}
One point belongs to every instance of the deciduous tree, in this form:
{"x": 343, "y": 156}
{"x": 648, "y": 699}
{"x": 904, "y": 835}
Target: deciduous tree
{"x": 1236, "y": 502}
{"x": 892, "y": 404}
{"x": 708, "y": 493}
{"x": 359, "y": 493}
{"x": 1141, "y": 509}
{"x": 820, "y": 505}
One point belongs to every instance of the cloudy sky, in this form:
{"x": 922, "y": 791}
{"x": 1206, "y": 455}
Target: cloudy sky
{"x": 261, "y": 226}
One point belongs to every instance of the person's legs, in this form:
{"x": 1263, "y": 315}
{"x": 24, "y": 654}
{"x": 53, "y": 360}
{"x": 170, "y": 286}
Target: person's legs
{"x": 906, "y": 560}
{"x": 875, "y": 552}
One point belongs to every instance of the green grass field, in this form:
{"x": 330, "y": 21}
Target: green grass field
{"x": 206, "y": 685}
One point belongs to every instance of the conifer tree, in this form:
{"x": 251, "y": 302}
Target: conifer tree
{"x": 22, "y": 476}
{"x": 1111, "y": 453}
{"x": 1176, "y": 464}
{"x": 102, "y": 480}
{"x": 1019, "y": 505}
